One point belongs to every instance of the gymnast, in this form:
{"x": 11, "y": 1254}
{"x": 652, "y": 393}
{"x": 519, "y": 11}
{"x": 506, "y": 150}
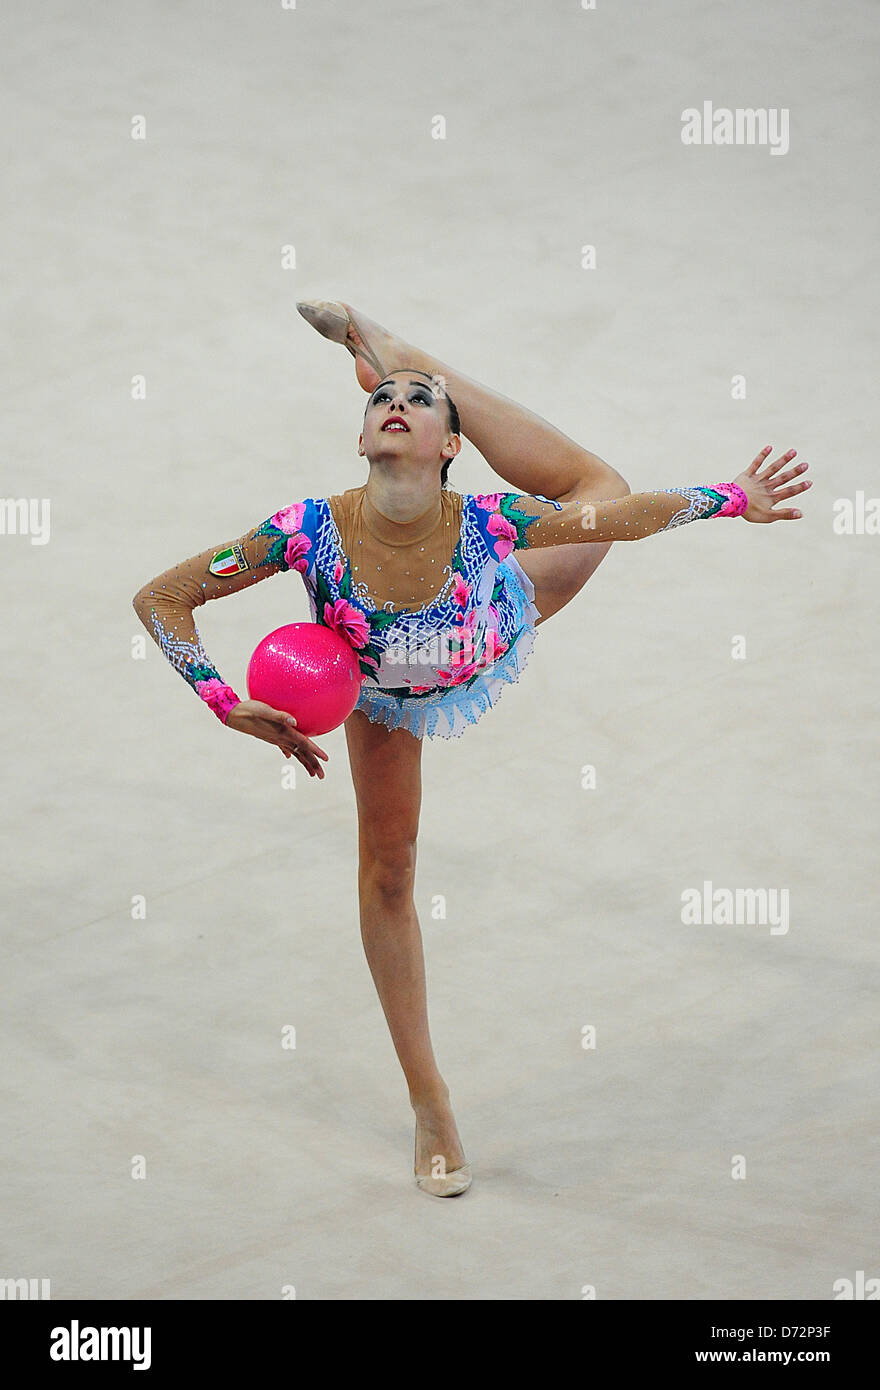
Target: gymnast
{"x": 440, "y": 594}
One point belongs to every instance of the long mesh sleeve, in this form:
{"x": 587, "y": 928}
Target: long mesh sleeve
{"x": 521, "y": 521}
{"x": 167, "y": 603}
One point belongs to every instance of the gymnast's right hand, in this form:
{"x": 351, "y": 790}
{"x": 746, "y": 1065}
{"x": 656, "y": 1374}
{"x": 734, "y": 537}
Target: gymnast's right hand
{"x": 274, "y": 726}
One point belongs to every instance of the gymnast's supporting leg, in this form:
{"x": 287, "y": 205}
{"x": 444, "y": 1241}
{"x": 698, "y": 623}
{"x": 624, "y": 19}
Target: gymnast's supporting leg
{"x": 386, "y": 772}
{"x": 521, "y": 447}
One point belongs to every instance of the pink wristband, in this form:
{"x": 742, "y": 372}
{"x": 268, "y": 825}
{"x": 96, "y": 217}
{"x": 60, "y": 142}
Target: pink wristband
{"x": 218, "y": 697}
{"x": 737, "y": 501}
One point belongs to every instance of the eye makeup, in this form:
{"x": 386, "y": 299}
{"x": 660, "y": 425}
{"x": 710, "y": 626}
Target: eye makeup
{"x": 419, "y": 393}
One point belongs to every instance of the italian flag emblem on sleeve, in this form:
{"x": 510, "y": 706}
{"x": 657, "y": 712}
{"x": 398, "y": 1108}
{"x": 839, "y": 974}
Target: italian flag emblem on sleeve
{"x": 228, "y": 561}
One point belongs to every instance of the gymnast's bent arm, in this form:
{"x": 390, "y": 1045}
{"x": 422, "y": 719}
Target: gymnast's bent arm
{"x": 166, "y": 604}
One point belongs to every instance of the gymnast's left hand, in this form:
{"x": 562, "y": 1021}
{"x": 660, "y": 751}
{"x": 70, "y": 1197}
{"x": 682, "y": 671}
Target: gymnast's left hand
{"x": 765, "y": 487}
{"x": 276, "y": 726}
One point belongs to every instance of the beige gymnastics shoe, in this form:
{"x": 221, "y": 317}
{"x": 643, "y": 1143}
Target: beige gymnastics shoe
{"x": 333, "y": 320}
{"x": 452, "y": 1185}
{"x": 456, "y": 1182}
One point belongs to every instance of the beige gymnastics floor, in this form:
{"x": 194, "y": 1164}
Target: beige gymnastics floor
{"x": 610, "y": 1167}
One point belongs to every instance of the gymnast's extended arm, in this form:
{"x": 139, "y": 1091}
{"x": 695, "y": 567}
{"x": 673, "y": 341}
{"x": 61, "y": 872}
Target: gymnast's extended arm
{"x": 527, "y": 521}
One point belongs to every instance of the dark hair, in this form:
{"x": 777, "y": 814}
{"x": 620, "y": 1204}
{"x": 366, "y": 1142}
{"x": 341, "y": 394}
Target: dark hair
{"x": 454, "y": 421}
{"x": 455, "y": 426}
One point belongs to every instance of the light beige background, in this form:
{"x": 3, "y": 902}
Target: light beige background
{"x": 612, "y": 1167}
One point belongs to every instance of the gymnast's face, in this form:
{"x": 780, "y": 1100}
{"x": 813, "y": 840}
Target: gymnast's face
{"x": 405, "y": 419}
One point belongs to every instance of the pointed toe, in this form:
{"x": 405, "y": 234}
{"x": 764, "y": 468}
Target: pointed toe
{"x": 454, "y": 1183}
{"x": 332, "y": 320}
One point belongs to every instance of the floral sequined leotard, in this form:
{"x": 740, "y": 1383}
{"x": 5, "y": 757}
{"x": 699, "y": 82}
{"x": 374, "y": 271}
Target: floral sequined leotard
{"x": 438, "y": 609}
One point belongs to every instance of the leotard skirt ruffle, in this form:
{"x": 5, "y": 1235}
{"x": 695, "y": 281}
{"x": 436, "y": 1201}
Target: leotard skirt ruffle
{"x": 446, "y": 712}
